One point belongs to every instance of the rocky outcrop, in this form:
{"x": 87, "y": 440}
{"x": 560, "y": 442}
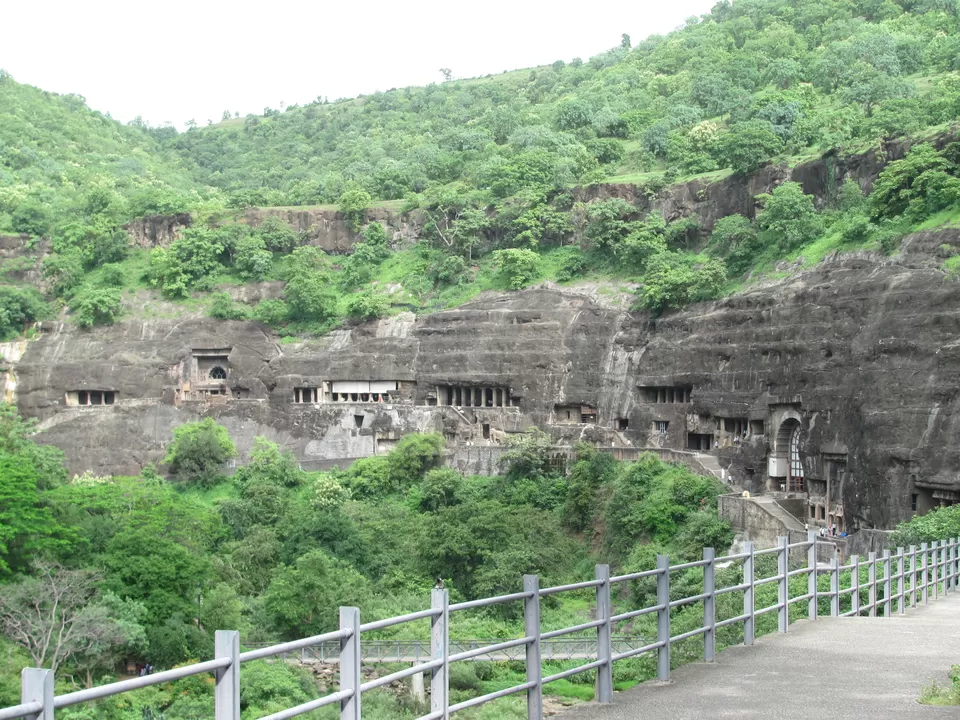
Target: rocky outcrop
{"x": 157, "y": 230}
{"x": 709, "y": 200}
{"x": 860, "y": 353}
{"x": 328, "y": 230}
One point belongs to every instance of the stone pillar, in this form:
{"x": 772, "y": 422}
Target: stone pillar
{"x": 417, "y": 689}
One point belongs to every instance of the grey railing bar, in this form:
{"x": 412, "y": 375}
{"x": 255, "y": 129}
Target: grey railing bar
{"x": 688, "y": 634}
{"x": 19, "y": 711}
{"x": 764, "y": 611}
{"x": 799, "y": 571}
{"x": 689, "y": 600}
{"x": 293, "y": 645}
{"x": 768, "y": 551}
{"x": 636, "y": 613}
{"x": 490, "y": 601}
{"x": 732, "y": 588}
{"x": 308, "y": 706}
{"x": 389, "y": 622}
{"x": 573, "y": 671}
{"x": 764, "y": 581}
{"x": 490, "y": 696}
{"x": 490, "y": 649}
{"x": 636, "y": 575}
{"x": 800, "y": 598}
{"x": 733, "y": 620}
{"x": 95, "y": 693}
{"x": 575, "y": 628}
{"x": 637, "y": 651}
{"x": 438, "y": 715}
{"x": 574, "y": 586}
{"x": 399, "y": 675}
{"x": 730, "y": 558}
{"x": 688, "y": 565}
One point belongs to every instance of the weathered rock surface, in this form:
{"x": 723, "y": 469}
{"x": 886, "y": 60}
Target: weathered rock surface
{"x": 708, "y": 201}
{"x": 863, "y": 352}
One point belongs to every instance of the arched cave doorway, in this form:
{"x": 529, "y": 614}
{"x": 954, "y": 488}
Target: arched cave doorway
{"x": 789, "y": 447}
{"x": 218, "y": 373}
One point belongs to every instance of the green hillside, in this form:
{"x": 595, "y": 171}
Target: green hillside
{"x": 490, "y": 164}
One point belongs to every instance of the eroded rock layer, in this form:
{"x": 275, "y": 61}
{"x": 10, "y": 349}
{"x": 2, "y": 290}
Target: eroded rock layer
{"x": 842, "y": 380}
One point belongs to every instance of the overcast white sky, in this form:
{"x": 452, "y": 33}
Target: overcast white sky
{"x": 173, "y": 60}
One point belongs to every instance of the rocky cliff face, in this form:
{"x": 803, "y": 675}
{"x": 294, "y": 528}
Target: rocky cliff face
{"x": 323, "y": 228}
{"x": 853, "y": 365}
{"x": 709, "y": 201}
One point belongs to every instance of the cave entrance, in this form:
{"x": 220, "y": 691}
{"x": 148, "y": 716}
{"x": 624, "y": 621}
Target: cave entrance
{"x": 789, "y": 464}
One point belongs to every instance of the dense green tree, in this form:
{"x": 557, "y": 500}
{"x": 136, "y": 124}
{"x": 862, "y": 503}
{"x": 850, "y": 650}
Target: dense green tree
{"x": 303, "y": 598}
{"x": 26, "y": 526}
{"x": 917, "y": 185}
{"x": 97, "y": 306}
{"x": 746, "y": 146}
{"x": 199, "y": 451}
{"x": 518, "y": 266}
{"x": 788, "y": 218}
{"x": 353, "y": 204}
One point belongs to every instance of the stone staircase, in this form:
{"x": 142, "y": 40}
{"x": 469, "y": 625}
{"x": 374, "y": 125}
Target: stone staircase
{"x": 772, "y": 507}
{"x": 711, "y": 465}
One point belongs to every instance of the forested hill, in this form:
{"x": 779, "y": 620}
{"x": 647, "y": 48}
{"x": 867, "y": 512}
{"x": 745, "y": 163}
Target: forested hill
{"x": 753, "y": 81}
{"x": 490, "y": 165}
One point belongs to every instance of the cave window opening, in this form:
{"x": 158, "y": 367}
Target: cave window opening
{"x": 486, "y": 431}
{"x": 83, "y": 398}
{"x": 108, "y": 397}
{"x": 913, "y": 501}
{"x": 218, "y": 373}
{"x": 622, "y": 424}
{"x": 358, "y": 420}
{"x": 96, "y": 397}
{"x": 661, "y": 426}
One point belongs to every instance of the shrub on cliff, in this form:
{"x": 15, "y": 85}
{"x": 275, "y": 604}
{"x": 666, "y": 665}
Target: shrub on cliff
{"x": 199, "y": 451}
{"x": 519, "y": 267}
{"x": 788, "y": 219}
{"x": 97, "y": 306}
{"x": 19, "y": 307}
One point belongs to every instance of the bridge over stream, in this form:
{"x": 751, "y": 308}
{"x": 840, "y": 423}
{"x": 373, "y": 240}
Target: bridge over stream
{"x": 854, "y": 640}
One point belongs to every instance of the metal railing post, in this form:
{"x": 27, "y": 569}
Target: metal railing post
{"x": 812, "y": 575}
{"x": 887, "y": 585}
{"x": 531, "y": 629}
{"x": 901, "y": 583}
{"x": 440, "y": 650}
{"x": 663, "y": 618}
{"x": 855, "y": 584}
{"x": 36, "y": 685}
{"x": 935, "y": 557}
{"x": 943, "y": 565}
{"x": 749, "y": 623}
{"x": 783, "y": 587}
{"x": 924, "y": 577}
{"x": 350, "y": 663}
{"x": 604, "y": 682}
{"x": 913, "y": 576}
{"x": 872, "y": 583}
{"x": 227, "y": 694}
{"x": 835, "y": 583}
{"x": 953, "y": 564}
{"x": 709, "y": 604}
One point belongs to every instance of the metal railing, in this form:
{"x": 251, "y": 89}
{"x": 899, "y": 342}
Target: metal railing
{"x": 908, "y": 578}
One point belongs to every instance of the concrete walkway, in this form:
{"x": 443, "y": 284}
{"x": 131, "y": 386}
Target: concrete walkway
{"x": 833, "y": 668}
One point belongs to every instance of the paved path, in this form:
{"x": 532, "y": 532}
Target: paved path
{"x": 833, "y": 668}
